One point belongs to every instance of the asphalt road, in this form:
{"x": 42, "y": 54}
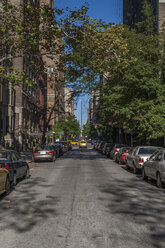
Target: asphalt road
{"x": 83, "y": 200}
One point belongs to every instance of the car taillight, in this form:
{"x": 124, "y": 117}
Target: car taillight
{"x": 124, "y": 154}
{"x": 141, "y": 160}
{"x": 6, "y": 166}
{"x": 34, "y": 152}
{"x": 51, "y": 152}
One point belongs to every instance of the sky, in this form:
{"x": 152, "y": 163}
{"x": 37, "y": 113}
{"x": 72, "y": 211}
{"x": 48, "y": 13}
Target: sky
{"x": 106, "y": 10}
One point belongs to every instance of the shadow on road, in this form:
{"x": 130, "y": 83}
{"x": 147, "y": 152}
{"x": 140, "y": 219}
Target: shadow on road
{"x": 26, "y": 208}
{"x": 83, "y": 154}
{"x": 137, "y": 202}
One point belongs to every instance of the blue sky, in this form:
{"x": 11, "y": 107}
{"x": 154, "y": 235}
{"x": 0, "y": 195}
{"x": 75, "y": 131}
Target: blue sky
{"x": 108, "y": 11}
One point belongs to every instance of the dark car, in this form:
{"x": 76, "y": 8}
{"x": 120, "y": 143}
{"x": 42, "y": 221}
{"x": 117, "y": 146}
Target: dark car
{"x": 105, "y": 148}
{"x": 60, "y": 146}
{"x": 57, "y": 150}
{"x": 108, "y": 150}
{"x": 101, "y": 146}
{"x": 65, "y": 146}
{"x": 69, "y": 146}
{"x": 17, "y": 166}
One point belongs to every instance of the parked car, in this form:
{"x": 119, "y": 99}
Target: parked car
{"x": 57, "y": 150}
{"x": 83, "y": 144}
{"x": 65, "y": 146}
{"x": 16, "y": 166}
{"x": 98, "y": 145}
{"x": 44, "y": 153}
{"x": 95, "y": 144}
{"x": 154, "y": 168}
{"x": 101, "y": 146}
{"x": 121, "y": 154}
{"x": 4, "y": 181}
{"x": 60, "y": 146}
{"x": 106, "y": 145}
{"x": 109, "y": 149}
{"x": 115, "y": 149}
{"x": 136, "y": 158}
{"x": 69, "y": 146}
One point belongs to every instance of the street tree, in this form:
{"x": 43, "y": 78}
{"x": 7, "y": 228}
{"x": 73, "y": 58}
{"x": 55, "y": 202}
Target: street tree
{"x": 133, "y": 98}
{"x": 69, "y": 125}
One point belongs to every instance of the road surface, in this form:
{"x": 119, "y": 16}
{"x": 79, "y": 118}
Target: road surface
{"x": 83, "y": 200}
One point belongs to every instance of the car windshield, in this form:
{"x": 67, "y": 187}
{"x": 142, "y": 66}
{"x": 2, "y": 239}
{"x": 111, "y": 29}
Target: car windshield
{"x": 3, "y": 156}
{"x": 83, "y": 142}
{"x": 146, "y": 150}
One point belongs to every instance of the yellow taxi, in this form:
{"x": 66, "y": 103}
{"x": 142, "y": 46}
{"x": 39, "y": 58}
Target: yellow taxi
{"x": 74, "y": 143}
{"x": 4, "y": 181}
{"x": 83, "y": 144}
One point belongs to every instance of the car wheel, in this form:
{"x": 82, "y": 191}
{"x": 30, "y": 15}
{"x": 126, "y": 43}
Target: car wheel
{"x": 27, "y": 175}
{"x": 135, "y": 170}
{"x": 115, "y": 158}
{"x": 7, "y": 186}
{"x": 159, "y": 181}
{"x": 144, "y": 176}
{"x": 119, "y": 161}
{"x": 34, "y": 160}
{"x": 54, "y": 158}
{"x": 127, "y": 167}
{"x": 14, "y": 179}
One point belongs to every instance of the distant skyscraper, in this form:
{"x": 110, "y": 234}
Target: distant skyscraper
{"x": 132, "y": 11}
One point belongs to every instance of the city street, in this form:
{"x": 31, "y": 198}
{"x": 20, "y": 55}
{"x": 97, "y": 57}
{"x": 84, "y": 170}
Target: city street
{"x": 83, "y": 200}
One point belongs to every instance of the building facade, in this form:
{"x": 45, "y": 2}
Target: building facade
{"x": 69, "y": 101}
{"x": 29, "y": 100}
{"x": 93, "y": 106}
{"x": 55, "y": 106}
{"x": 132, "y": 12}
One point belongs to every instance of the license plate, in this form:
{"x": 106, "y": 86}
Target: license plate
{"x": 42, "y": 153}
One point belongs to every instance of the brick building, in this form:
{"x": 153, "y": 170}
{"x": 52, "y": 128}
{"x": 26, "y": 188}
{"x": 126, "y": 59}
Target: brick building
{"x": 29, "y": 100}
{"x": 7, "y": 105}
{"x": 55, "y": 106}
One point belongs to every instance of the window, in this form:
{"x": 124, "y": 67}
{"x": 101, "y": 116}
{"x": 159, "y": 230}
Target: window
{"x": 153, "y": 156}
{"x": 144, "y": 150}
{"x": 4, "y": 156}
{"x": 159, "y": 157}
{"x": 15, "y": 156}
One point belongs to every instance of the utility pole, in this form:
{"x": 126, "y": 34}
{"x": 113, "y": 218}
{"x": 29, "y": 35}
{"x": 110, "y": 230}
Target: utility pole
{"x": 81, "y": 118}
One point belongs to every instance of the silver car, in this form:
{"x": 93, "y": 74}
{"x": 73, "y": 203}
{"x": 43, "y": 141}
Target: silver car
{"x": 44, "y": 153}
{"x": 154, "y": 168}
{"x": 138, "y": 156}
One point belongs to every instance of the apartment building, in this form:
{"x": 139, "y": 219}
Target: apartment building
{"x": 132, "y": 12}
{"x": 7, "y": 106}
{"x": 29, "y": 100}
{"x": 93, "y": 106}
{"x": 55, "y": 106}
{"x": 69, "y": 101}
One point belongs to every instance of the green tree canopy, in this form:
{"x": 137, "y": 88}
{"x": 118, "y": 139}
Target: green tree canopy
{"x": 69, "y": 125}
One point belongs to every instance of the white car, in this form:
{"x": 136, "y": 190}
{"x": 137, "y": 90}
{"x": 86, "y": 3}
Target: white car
{"x": 154, "y": 168}
{"x": 138, "y": 156}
